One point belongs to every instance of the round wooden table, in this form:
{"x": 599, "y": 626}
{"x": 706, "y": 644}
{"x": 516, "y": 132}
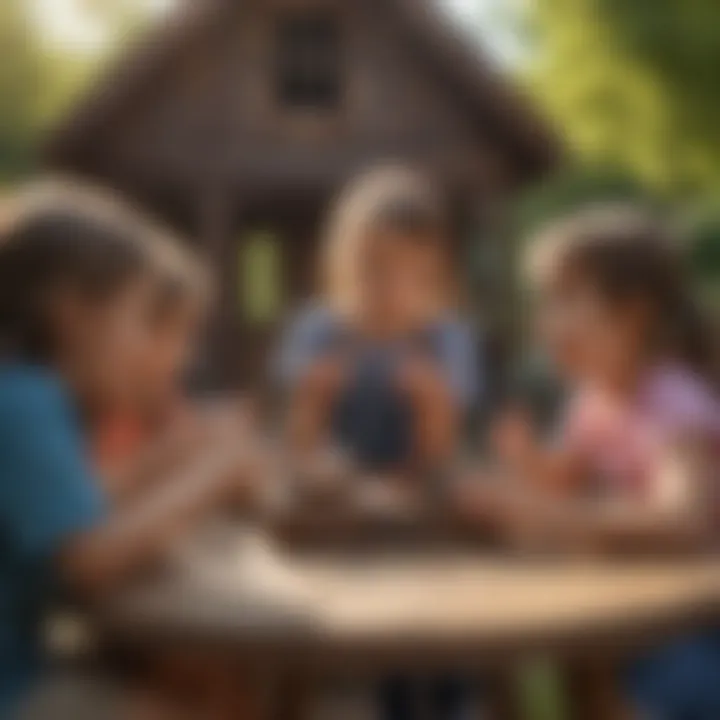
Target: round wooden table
{"x": 377, "y": 614}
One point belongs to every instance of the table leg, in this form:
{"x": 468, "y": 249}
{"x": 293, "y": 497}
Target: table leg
{"x": 501, "y": 699}
{"x": 295, "y": 696}
{"x": 190, "y": 686}
{"x": 252, "y": 698}
{"x": 593, "y": 691}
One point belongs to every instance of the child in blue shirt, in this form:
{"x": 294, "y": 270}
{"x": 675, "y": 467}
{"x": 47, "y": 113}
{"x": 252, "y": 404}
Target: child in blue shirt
{"x": 382, "y": 367}
{"x": 75, "y": 282}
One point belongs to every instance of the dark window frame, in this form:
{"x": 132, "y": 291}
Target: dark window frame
{"x": 308, "y": 61}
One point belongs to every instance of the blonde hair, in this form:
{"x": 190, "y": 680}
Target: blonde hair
{"x": 385, "y": 197}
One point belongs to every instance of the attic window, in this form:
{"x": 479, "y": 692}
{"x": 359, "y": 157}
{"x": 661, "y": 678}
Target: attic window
{"x": 308, "y": 61}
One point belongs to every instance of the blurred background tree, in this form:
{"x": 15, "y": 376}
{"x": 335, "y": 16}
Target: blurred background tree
{"x": 631, "y": 83}
{"x": 24, "y": 76}
{"x": 573, "y": 187}
{"x": 704, "y": 254}
{"x": 40, "y": 77}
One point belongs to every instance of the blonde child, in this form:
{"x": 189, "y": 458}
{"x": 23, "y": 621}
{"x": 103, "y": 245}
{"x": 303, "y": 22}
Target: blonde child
{"x": 382, "y": 367}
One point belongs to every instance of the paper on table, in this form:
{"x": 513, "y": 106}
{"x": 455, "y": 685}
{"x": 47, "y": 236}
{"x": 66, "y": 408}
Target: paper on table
{"x": 382, "y": 497}
{"x": 244, "y": 563}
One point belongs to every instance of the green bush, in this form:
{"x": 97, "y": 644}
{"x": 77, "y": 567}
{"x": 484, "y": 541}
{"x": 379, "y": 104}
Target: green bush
{"x": 704, "y": 246}
{"x": 571, "y": 189}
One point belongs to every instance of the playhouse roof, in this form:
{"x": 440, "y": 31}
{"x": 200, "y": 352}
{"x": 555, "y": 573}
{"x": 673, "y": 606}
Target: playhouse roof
{"x": 461, "y": 61}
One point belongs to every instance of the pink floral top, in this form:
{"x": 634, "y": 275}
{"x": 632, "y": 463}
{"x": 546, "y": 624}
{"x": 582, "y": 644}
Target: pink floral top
{"x": 624, "y": 444}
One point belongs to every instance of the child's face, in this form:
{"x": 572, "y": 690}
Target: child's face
{"x": 401, "y": 281}
{"x": 168, "y": 356}
{"x": 101, "y": 345}
{"x": 589, "y": 337}
{"x": 560, "y": 327}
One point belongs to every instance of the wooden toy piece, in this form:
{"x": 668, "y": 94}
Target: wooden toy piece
{"x": 386, "y": 497}
{"x": 325, "y": 476}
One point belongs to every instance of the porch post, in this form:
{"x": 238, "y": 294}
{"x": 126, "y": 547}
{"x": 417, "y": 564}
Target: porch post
{"x": 215, "y": 220}
{"x": 494, "y": 266}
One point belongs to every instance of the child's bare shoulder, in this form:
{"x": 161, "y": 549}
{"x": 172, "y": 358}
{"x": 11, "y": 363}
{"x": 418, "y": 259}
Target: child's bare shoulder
{"x": 676, "y": 396}
{"x": 314, "y": 322}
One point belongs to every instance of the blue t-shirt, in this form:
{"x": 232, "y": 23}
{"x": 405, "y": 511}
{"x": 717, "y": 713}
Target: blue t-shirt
{"x": 47, "y": 495}
{"x": 372, "y": 419}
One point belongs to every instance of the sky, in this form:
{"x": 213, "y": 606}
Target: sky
{"x": 66, "y": 22}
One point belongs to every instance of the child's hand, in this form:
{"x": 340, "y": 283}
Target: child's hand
{"x": 246, "y": 467}
{"x": 184, "y": 431}
{"x": 507, "y": 511}
{"x": 480, "y": 500}
{"x": 514, "y": 438}
{"x": 418, "y": 377}
{"x": 227, "y": 421}
{"x": 327, "y": 376}
{"x": 387, "y": 496}
{"x": 325, "y": 471}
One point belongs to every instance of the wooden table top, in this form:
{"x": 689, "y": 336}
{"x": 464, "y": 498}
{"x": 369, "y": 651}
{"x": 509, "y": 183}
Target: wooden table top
{"x": 417, "y": 608}
{"x": 492, "y": 600}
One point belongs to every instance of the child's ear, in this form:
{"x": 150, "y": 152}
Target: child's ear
{"x": 67, "y": 312}
{"x": 641, "y": 315}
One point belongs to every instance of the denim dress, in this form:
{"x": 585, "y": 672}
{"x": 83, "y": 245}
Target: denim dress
{"x": 372, "y": 421}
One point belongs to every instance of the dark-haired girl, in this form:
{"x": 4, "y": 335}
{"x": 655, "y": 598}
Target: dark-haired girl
{"x": 75, "y": 283}
{"x": 637, "y": 464}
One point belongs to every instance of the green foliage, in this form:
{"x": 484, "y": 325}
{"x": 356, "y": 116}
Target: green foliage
{"x": 39, "y": 81}
{"x": 541, "y": 691}
{"x": 704, "y": 250}
{"x": 571, "y": 189}
{"x": 632, "y": 84}
{"x": 23, "y": 77}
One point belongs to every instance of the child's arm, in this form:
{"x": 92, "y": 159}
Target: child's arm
{"x": 556, "y": 470}
{"x": 139, "y": 533}
{"x": 674, "y": 518}
{"x": 124, "y": 480}
{"x": 311, "y": 404}
{"x": 677, "y": 515}
{"x": 442, "y": 386}
{"x": 186, "y": 436}
{"x": 311, "y": 370}
{"x": 53, "y": 510}
{"x": 438, "y": 417}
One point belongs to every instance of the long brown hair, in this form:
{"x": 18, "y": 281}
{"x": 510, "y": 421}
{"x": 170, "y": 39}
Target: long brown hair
{"x": 630, "y": 254}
